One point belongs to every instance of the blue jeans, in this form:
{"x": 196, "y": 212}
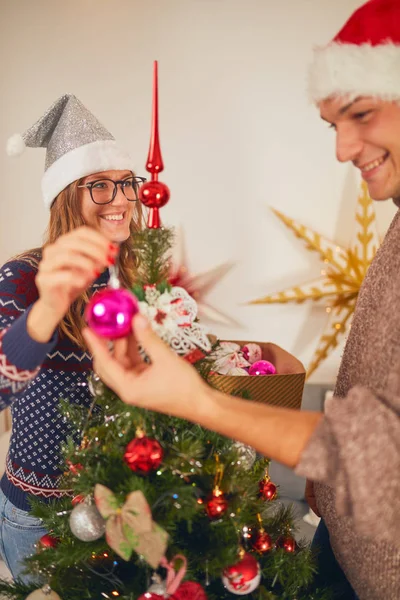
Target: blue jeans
{"x": 330, "y": 574}
{"x": 19, "y": 533}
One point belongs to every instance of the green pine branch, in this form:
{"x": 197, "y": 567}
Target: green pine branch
{"x": 152, "y": 247}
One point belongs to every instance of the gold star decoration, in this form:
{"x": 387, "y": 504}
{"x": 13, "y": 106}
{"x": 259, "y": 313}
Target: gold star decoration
{"x": 341, "y": 277}
{"x": 198, "y": 285}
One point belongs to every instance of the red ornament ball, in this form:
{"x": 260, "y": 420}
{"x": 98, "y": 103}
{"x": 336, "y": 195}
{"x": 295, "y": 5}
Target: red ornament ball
{"x": 154, "y": 194}
{"x": 74, "y": 468}
{"x": 216, "y": 505}
{"x": 109, "y": 313}
{"x": 143, "y": 454}
{"x": 243, "y": 577}
{"x": 268, "y": 490}
{"x": 189, "y": 591}
{"x": 77, "y": 499}
{"x": 262, "y": 542}
{"x": 186, "y": 591}
{"x": 48, "y": 541}
{"x": 287, "y": 543}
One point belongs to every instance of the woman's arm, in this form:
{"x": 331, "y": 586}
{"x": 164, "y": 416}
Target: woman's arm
{"x": 33, "y": 301}
{"x": 20, "y": 355}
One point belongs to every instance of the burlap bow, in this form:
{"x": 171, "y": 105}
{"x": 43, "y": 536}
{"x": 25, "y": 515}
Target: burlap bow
{"x": 130, "y": 528}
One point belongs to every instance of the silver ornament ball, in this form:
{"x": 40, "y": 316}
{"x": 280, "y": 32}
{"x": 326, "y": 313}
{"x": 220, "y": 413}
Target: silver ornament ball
{"x": 86, "y": 522}
{"x": 158, "y": 586}
{"x": 246, "y": 455}
{"x": 45, "y": 593}
{"x": 95, "y": 385}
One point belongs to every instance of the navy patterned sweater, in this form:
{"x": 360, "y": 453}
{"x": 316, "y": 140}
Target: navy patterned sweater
{"x": 33, "y": 377}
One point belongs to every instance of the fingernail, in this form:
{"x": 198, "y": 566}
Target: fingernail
{"x": 111, "y": 259}
{"x": 97, "y": 273}
{"x": 113, "y": 249}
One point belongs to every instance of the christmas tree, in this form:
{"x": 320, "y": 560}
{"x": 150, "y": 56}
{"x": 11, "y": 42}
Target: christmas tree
{"x": 152, "y": 498}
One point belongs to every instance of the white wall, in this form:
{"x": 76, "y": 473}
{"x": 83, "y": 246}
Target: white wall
{"x": 237, "y": 132}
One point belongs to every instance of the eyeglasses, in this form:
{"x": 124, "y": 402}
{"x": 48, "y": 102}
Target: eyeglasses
{"x": 103, "y": 191}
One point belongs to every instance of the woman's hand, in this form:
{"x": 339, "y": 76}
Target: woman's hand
{"x": 66, "y": 270}
{"x": 169, "y": 384}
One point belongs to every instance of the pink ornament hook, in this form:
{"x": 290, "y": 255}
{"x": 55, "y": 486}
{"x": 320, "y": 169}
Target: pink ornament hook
{"x": 174, "y": 578}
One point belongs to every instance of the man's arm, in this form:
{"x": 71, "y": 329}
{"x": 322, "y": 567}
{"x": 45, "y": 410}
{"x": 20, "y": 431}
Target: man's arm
{"x": 279, "y": 433}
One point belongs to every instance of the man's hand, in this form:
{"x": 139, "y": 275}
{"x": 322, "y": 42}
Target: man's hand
{"x": 167, "y": 384}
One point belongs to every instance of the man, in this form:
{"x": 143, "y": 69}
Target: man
{"x": 352, "y": 452}
{"x": 348, "y": 80}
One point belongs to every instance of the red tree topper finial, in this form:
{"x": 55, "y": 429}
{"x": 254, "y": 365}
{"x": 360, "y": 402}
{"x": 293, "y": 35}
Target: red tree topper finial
{"x": 154, "y": 160}
{"x": 154, "y": 194}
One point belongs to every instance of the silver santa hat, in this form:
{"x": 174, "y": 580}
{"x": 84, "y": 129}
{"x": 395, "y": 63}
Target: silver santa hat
{"x": 76, "y": 143}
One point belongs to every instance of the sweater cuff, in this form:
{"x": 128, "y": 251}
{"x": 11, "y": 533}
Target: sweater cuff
{"x": 21, "y": 350}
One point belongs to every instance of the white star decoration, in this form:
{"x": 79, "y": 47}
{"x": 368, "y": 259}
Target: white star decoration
{"x": 341, "y": 277}
{"x": 198, "y": 285}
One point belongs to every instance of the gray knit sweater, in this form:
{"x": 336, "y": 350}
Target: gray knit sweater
{"x": 354, "y": 454}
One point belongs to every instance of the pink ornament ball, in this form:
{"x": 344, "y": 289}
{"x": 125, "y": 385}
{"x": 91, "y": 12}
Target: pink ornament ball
{"x": 262, "y": 367}
{"x": 109, "y": 313}
{"x": 252, "y": 352}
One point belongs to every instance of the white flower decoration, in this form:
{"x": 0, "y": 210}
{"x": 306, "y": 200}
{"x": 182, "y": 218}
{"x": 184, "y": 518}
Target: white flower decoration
{"x": 172, "y": 315}
{"x": 229, "y": 360}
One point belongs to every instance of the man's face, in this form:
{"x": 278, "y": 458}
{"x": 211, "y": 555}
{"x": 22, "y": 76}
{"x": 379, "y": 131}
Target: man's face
{"x": 368, "y": 135}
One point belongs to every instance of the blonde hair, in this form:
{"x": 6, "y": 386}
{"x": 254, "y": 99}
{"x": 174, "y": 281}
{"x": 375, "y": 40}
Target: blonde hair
{"x": 66, "y": 215}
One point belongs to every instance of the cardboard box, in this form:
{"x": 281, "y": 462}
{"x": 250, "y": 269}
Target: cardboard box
{"x": 283, "y": 389}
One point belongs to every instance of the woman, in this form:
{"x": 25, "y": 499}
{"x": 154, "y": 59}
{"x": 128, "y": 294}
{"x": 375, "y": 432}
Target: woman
{"x": 92, "y": 195}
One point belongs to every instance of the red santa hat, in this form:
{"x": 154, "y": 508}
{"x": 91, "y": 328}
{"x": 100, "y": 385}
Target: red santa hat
{"x": 364, "y": 57}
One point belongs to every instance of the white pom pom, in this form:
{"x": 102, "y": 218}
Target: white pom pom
{"x": 15, "y": 145}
